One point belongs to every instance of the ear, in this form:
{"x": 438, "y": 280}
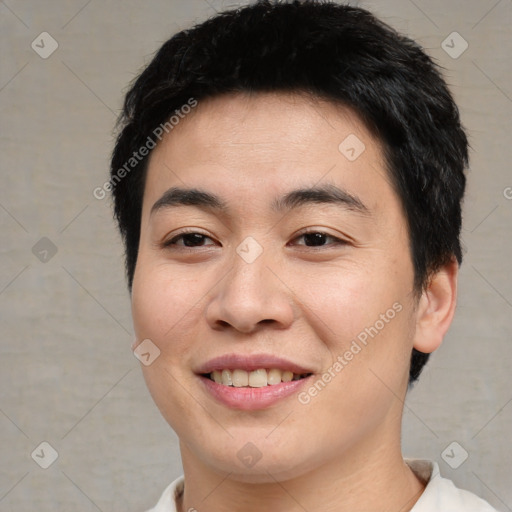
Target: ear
{"x": 436, "y": 308}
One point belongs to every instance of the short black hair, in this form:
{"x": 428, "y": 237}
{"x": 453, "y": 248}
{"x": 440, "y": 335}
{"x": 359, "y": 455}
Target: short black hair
{"x": 330, "y": 51}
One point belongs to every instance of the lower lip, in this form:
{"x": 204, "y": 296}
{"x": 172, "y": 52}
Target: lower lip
{"x": 250, "y": 399}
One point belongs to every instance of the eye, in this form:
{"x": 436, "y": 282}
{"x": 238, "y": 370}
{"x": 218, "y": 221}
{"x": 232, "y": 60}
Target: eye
{"x": 314, "y": 238}
{"x": 188, "y": 239}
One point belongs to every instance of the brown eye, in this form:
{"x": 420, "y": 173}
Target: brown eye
{"x": 318, "y": 239}
{"x": 188, "y": 239}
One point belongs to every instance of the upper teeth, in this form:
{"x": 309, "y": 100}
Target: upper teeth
{"x": 255, "y": 379}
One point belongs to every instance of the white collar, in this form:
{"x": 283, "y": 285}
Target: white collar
{"x": 439, "y": 494}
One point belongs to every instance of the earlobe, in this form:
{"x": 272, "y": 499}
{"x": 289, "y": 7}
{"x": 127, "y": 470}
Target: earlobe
{"x": 436, "y": 308}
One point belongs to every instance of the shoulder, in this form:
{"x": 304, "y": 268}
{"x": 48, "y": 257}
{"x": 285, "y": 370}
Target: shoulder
{"x": 441, "y": 495}
{"x": 167, "y": 501}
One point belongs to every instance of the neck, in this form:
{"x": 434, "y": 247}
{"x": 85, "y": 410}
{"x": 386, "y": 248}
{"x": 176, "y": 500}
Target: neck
{"x": 366, "y": 478}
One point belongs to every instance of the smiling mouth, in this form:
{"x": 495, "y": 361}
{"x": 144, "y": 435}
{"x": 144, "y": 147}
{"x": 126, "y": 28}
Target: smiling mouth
{"x": 253, "y": 379}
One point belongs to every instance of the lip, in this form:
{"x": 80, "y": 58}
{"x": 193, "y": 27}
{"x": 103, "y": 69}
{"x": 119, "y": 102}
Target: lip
{"x": 251, "y": 399}
{"x": 245, "y": 398}
{"x": 250, "y": 363}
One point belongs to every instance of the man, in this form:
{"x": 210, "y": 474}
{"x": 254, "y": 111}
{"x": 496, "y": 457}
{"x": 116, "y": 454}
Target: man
{"x": 288, "y": 182}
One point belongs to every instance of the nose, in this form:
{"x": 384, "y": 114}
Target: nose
{"x": 251, "y": 296}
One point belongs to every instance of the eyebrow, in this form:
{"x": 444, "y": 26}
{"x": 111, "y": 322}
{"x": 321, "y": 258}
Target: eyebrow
{"x": 321, "y": 194}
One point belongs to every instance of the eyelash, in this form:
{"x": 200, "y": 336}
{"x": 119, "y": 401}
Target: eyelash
{"x": 172, "y": 242}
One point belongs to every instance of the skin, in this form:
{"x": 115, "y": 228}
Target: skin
{"x": 341, "y": 451}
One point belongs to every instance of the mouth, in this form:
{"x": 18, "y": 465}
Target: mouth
{"x": 259, "y": 378}
{"x": 252, "y": 381}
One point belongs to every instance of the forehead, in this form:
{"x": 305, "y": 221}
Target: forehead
{"x": 268, "y": 124}
{"x": 259, "y": 145}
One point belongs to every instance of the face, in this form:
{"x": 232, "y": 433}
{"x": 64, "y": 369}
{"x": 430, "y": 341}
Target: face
{"x": 293, "y": 263}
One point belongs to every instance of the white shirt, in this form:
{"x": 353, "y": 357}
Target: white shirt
{"x": 440, "y": 494}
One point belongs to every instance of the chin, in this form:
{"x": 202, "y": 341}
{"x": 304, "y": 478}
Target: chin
{"x": 253, "y": 459}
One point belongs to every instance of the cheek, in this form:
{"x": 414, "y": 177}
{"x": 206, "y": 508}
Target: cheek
{"x": 343, "y": 302}
{"x": 366, "y": 318}
{"x": 163, "y": 302}
{"x": 163, "y": 310}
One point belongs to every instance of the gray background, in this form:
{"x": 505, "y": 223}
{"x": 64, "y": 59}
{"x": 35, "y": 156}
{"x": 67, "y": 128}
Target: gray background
{"x": 68, "y": 376}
